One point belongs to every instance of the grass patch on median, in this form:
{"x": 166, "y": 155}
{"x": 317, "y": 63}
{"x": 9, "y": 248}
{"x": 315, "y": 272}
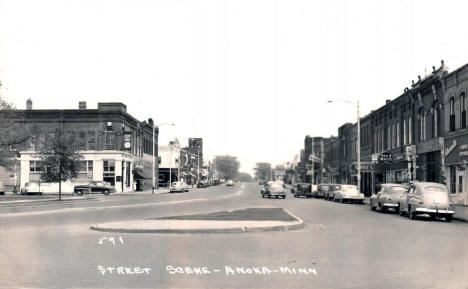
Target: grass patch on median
{"x": 250, "y": 214}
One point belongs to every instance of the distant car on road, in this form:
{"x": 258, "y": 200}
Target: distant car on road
{"x": 431, "y": 199}
{"x": 94, "y": 187}
{"x": 322, "y": 191}
{"x": 275, "y": 189}
{"x": 179, "y": 187}
{"x": 202, "y": 184}
{"x": 349, "y": 193}
{"x": 229, "y": 183}
{"x": 302, "y": 189}
{"x": 388, "y": 197}
{"x": 31, "y": 188}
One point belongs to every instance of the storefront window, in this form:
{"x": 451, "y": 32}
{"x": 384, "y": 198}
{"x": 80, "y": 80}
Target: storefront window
{"x": 453, "y": 179}
{"x": 109, "y": 171}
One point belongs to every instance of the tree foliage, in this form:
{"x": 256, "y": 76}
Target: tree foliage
{"x": 228, "y": 166}
{"x": 60, "y": 157}
{"x": 10, "y": 134}
{"x": 263, "y": 171}
{"x": 244, "y": 177}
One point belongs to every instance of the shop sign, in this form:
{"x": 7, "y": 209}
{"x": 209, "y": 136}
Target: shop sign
{"x": 411, "y": 149}
{"x": 367, "y": 166}
{"x": 375, "y": 158}
{"x": 435, "y": 144}
{"x": 464, "y": 150}
{"x": 449, "y": 149}
{"x": 385, "y": 158}
{"x": 399, "y": 157}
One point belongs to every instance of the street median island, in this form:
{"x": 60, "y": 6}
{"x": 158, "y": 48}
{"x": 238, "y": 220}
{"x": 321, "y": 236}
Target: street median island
{"x": 237, "y": 221}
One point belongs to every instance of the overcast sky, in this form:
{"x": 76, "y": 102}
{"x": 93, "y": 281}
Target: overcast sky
{"x": 250, "y": 77}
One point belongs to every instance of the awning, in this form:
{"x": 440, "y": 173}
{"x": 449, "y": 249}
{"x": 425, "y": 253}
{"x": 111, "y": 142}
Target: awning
{"x": 139, "y": 175}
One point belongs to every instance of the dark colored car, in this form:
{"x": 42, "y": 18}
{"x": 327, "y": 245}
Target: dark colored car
{"x": 322, "y": 191}
{"x": 94, "y": 187}
{"x": 202, "y": 184}
{"x": 302, "y": 189}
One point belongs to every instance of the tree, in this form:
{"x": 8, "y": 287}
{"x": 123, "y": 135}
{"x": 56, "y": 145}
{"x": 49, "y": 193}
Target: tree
{"x": 228, "y": 166}
{"x": 263, "y": 171}
{"x": 244, "y": 177}
{"x": 60, "y": 158}
{"x": 10, "y": 135}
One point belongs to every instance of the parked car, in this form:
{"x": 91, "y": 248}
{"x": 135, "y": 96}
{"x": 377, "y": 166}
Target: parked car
{"x": 275, "y": 189}
{"x": 94, "y": 187}
{"x": 202, "y": 184}
{"x": 431, "y": 199}
{"x": 322, "y": 191}
{"x": 2, "y": 189}
{"x": 31, "y": 188}
{"x": 179, "y": 187}
{"x": 349, "y": 193}
{"x": 388, "y": 198}
{"x": 301, "y": 189}
{"x": 229, "y": 183}
{"x": 331, "y": 191}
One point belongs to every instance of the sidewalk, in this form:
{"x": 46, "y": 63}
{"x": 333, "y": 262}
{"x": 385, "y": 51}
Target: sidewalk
{"x": 461, "y": 212}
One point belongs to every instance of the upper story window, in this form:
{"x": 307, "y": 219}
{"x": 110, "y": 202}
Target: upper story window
{"x": 463, "y": 110}
{"x": 422, "y": 124}
{"x": 109, "y": 138}
{"x": 435, "y": 119}
{"x": 452, "y": 114}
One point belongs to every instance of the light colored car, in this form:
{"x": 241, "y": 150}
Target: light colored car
{"x": 388, "y": 198}
{"x": 179, "y": 187}
{"x": 2, "y": 189}
{"x": 349, "y": 193}
{"x": 229, "y": 183}
{"x": 431, "y": 199}
{"x": 31, "y": 188}
{"x": 273, "y": 189}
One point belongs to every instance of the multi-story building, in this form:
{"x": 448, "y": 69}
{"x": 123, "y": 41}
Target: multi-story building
{"x": 331, "y": 160}
{"x": 195, "y": 148}
{"x": 455, "y": 86}
{"x": 116, "y": 147}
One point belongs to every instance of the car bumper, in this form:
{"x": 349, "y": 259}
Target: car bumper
{"x": 353, "y": 198}
{"x": 390, "y": 205}
{"x": 437, "y": 211}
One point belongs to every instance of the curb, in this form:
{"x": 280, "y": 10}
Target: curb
{"x": 295, "y": 226}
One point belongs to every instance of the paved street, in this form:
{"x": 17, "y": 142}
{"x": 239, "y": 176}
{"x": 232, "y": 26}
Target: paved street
{"x": 341, "y": 246}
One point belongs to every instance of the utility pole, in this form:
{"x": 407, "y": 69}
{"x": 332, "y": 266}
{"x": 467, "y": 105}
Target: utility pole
{"x": 313, "y": 162}
{"x": 154, "y": 162}
{"x": 198, "y": 165}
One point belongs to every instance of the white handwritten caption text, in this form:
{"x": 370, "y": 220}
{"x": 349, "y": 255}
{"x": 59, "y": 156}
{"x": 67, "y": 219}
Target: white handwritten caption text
{"x": 228, "y": 270}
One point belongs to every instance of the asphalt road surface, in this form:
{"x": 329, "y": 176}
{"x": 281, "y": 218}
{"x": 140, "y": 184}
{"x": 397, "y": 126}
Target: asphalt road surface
{"x": 341, "y": 246}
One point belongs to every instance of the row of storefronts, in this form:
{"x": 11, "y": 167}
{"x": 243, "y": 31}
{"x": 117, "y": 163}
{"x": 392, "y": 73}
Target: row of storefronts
{"x": 422, "y": 135}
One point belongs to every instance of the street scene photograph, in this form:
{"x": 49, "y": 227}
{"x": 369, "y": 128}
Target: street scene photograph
{"x": 233, "y": 144}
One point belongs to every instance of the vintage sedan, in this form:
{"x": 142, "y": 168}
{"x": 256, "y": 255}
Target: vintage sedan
{"x": 31, "y": 188}
{"x": 388, "y": 197}
{"x": 348, "y": 193}
{"x": 322, "y": 191}
{"x": 94, "y": 187}
{"x": 179, "y": 187}
{"x": 273, "y": 189}
{"x": 302, "y": 189}
{"x": 332, "y": 188}
{"x": 431, "y": 199}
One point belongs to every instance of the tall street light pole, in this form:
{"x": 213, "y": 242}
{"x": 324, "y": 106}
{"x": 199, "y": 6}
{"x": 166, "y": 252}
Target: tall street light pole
{"x": 358, "y": 144}
{"x": 154, "y": 159}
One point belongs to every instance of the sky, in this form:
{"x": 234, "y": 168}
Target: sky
{"x": 251, "y": 77}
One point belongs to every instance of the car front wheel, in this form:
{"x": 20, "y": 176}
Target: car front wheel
{"x": 448, "y": 218}
{"x": 105, "y": 192}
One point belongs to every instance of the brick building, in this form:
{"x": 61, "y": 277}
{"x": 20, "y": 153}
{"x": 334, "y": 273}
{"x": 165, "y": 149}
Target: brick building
{"x": 117, "y": 148}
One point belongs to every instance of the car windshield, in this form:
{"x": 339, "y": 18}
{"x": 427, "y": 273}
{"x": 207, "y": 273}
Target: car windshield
{"x": 397, "y": 190}
{"x": 350, "y": 189}
{"x": 325, "y": 188}
{"x": 436, "y": 194}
